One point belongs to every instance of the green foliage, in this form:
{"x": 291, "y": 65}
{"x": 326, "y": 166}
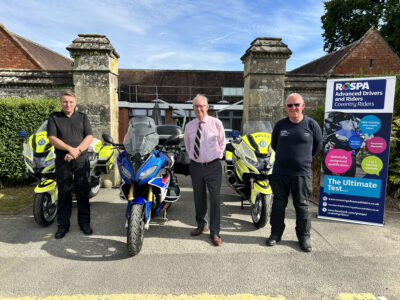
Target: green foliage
{"x": 393, "y": 187}
{"x": 19, "y": 114}
{"x": 346, "y": 21}
{"x": 390, "y": 29}
{"x": 318, "y": 114}
{"x": 396, "y": 108}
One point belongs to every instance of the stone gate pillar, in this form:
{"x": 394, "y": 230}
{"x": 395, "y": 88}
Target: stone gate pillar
{"x": 95, "y": 78}
{"x": 264, "y": 79}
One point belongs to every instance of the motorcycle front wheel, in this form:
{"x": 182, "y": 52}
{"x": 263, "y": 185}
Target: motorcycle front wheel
{"x": 135, "y": 233}
{"x": 44, "y": 210}
{"x": 261, "y": 209}
{"x": 94, "y": 190}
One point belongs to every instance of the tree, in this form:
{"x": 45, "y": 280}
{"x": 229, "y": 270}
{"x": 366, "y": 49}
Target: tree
{"x": 346, "y": 21}
{"x": 390, "y": 29}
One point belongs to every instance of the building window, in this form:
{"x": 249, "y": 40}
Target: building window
{"x": 229, "y": 91}
{"x": 371, "y": 63}
{"x": 231, "y": 119}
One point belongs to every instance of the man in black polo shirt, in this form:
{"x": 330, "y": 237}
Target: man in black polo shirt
{"x": 71, "y": 134}
{"x": 295, "y": 140}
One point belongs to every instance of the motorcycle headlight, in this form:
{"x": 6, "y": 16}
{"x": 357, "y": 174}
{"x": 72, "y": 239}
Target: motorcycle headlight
{"x": 147, "y": 172}
{"x": 250, "y": 161}
{"x": 125, "y": 172}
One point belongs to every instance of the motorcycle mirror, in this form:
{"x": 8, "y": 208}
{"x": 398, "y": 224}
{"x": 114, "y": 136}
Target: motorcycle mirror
{"x": 22, "y": 133}
{"x": 107, "y": 138}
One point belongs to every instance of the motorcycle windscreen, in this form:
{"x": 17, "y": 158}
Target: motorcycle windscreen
{"x": 257, "y": 126}
{"x": 141, "y": 137}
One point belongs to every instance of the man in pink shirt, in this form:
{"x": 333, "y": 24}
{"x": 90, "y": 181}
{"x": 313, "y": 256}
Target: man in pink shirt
{"x": 205, "y": 143}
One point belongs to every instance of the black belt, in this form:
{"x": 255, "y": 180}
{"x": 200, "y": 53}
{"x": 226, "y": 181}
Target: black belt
{"x": 205, "y": 163}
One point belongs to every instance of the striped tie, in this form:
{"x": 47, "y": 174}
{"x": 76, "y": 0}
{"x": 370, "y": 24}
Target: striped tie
{"x": 197, "y": 142}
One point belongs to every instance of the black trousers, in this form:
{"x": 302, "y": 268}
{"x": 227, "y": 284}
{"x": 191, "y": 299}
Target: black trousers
{"x": 73, "y": 175}
{"x": 209, "y": 176}
{"x": 301, "y": 188}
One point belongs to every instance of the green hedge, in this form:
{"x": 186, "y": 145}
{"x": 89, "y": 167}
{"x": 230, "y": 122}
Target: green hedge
{"x": 19, "y": 114}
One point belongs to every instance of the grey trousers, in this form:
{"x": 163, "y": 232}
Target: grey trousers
{"x": 207, "y": 176}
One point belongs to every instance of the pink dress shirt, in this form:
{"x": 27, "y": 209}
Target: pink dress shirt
{"x": 212, "y": 142}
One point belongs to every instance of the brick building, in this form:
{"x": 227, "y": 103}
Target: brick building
{"x": 370, "y": 55}
{"x": 17, "y": 52}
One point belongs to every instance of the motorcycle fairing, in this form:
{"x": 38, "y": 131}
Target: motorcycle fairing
{"x": 240, "y": 167}
{"x": 48, "y": 186}
{"x": 95, "y": 145}
{"x": 157, "y": 160}
{"x": 125, "y": 168}
{"x": 41, "y": 163}
{"x": 260, "y": 187}
{"x": 259, "y": 142}
{"x": 106, "y": 157}
{"x": 247, "y": 156}
{"x": 39, "y": 142}
{"x": 161, "y": 182}
{"x": 228, "y": 155}
{"x": 50, "y": 162}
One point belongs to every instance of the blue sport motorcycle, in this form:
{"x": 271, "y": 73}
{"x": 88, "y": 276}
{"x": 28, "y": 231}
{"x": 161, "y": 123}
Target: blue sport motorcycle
{"x": 148, "y": 181}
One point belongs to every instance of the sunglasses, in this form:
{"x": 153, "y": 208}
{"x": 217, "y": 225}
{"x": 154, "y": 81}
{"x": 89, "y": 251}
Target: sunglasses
{"x": 295, "y": 104}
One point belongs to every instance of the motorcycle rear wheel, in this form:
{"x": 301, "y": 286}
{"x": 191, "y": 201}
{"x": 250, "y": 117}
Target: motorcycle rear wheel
{"x": 261, "y": 210}
{"x": 135, "y": 233}
{"x": 44, "y": 210}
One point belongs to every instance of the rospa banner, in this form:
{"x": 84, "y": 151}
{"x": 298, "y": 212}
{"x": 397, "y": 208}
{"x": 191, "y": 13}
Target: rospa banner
{"x": 356, "y": 139}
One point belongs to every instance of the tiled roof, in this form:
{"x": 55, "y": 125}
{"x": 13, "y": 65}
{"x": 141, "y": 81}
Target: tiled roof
{"x": 325, "y": 64}
{"x": 46, "y": 58}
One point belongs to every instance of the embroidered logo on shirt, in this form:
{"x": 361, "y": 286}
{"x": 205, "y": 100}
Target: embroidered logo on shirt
{"x": 284, "y": 133}
{"x": 306, "y": 133}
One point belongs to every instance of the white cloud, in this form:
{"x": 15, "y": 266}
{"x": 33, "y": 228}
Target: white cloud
{"x": 204, "y": 34}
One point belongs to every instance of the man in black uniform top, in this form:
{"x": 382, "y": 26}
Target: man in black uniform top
{"x": 295, "y": 140}
{"x": 71, "y": 134}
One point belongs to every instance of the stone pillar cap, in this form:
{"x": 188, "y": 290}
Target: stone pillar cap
{"x": 93, "y": 42}
{"x": 267, "y": 47}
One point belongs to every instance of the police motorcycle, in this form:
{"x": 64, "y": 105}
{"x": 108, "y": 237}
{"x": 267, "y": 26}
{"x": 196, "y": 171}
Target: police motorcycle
{"x": 148, "y": 181}
{"x": 341, "y": 131}
{"x": 39, "y": 158}
{"x": 249, "y": 160}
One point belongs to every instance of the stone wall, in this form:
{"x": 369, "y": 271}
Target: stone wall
{"x": 34, "y": 83}
{"x": 310, "y": 87}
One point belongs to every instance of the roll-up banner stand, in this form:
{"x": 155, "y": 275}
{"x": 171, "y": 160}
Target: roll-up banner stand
{"x": 356, "y": 143}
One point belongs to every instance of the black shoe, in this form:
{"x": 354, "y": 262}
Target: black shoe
{"x": 61, "y": 232}
{"x": 272, "y": 240}
{"x": 305, "y": 245}
{"x": 87, "y": 229}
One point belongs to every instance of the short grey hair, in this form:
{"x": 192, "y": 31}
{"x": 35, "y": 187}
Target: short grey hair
{"x": 202, "y": 96}
{"x": 295, "y": 95}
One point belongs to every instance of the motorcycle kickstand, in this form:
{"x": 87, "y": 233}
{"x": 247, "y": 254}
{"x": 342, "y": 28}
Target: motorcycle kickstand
{"x": 164, "y": 216}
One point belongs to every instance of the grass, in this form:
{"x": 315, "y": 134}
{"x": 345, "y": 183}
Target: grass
{"x": 16, "y": 199}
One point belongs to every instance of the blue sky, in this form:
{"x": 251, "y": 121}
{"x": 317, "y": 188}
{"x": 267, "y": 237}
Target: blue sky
{"x": 172, "y": 34}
